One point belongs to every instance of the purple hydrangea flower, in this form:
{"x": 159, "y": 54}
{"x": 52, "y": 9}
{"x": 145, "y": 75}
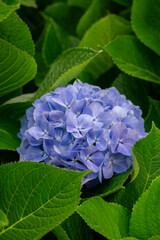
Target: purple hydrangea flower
{"x": 82, "y": 127}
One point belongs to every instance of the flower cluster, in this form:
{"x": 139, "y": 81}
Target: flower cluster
{"x": 82, "y": 127}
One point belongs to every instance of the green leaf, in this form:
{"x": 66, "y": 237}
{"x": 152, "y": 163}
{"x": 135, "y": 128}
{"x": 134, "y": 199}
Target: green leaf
{"x": 8, "y": 134}
{"x": 16, "y": 107}
{"x": 79, "y": 3}
{"x": 60, "y": 233}
{"x": 153, "y": 114}
{"x": 66, "y": 67}
{"x": 3, "y": 220}
{"x": 6, "y": 10}
{"x": 96, "y": 10}
{"x": 154, "y": 238}
{"x": 145, "y": 216}
{"x": 145, "y": 22}
{"x": 105, "y": 30}
{"x": 10, "y": 2}
{"x": 62, "y": 41}
{"x": 65, "y": 15}
{"x": 42, "y": 69}
{"x": 134, "y": 90}
{"x": 141, "y": 62}
{"x": 108, "y": 187}
{"x": 147, "y": 153}
{"x": 129, "y": 238}
{"x": 109, "y": 219}
{"x": 40, "y": 197}
{"x": 75, "y": 228}
{"x": 28, "y": 3}
{"x": 15, "y": 31}
{"x": 17, "y": 67}
{"x": 125, "y": 3}
{"x": 10, "y": 95}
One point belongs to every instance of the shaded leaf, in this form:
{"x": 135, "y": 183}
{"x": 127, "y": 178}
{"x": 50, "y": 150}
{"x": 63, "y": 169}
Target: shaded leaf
{"x": 16, "y": 107}
{"x": 75, "y": 228}
{"x": 153, "y": 114}
{"x": 55, "y": 42}
{"x": 141, "y": 62}
{"x": 108, "y": 186}
{"x": 40, "y": 198}
{"x": 109, "y": 219}
{"x": 63, "y": 14}
{"x": 79, "y": 3}
{"x": 146, "y": 21}
{"x": 125, "y": 3}
{"x": 42, "y": 69}
{"x": 66, "y": 67}
{"x": 10, "y": 95}
{"x": 8, "y": 134}
{"x": 96, "y": 10}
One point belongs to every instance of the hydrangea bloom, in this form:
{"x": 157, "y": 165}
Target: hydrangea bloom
{"x": 82, "y": 127}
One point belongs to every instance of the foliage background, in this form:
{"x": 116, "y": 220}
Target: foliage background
{"x": 47, "y": 44}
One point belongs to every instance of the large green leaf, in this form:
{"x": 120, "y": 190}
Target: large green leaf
{"x": 153, "y": 114}
{"x": 16, "y": 67}
{"x": 145, "y": 216}
{"x": 66, "y": 67}
{"x": 62, "y": 41}
{"x": 6, "y": 10}
{"x": 109, "y": 219}
{"x": 146, "y": 21}
{"x": 105, "y": 30}
{"x": 40, "y": 197}
{"x": 147, "y": 153}
{"x": 8, "y": 134}
{"x": 108, "y": 186}
{"x": 15, "y": 31}
{"x": 16, "y": 107}
{"x": 134, "y": 90}
{"x": 3, "y": 219}
{"x": 141, "y": 62}
{"x": 73, "y": 228}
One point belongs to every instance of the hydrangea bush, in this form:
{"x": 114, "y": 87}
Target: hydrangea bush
{"x": 82, "y": 127}
{"x": 48, "y": 194}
